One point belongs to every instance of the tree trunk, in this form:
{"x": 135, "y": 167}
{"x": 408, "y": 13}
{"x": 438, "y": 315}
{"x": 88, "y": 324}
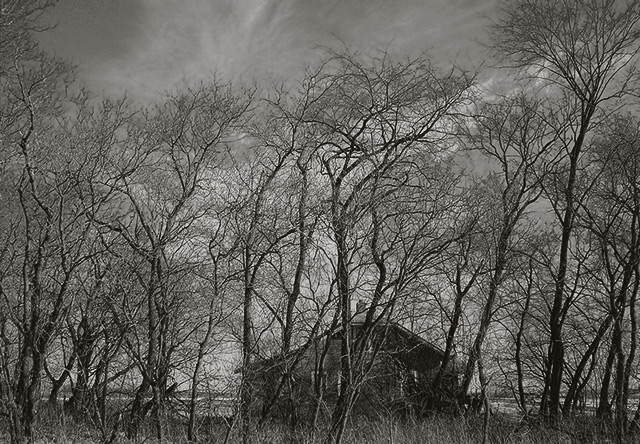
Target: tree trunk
{"x": 556, "y": 342}
{"x": 461, "y": 292}
{"x": 342, "y": 407}
{"x": 485, "y": 400}
{"x": 586, "y": 357}
{"x": 621, "y": 360}
{"x": 136, "y": 414}
{"x": 57, "y": 383}
{"x": 604, "y": 407}
{"x": 522, "y": 397}
{"x": 319, "y": 383}
{"x": 246, "y": 393}
{"x": 487, "y": 313}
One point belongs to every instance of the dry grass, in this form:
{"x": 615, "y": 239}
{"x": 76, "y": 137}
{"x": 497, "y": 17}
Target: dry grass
{"x": 55, "y": 427}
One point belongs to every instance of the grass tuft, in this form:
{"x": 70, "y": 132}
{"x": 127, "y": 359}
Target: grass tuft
{"x": 54, "y": 426}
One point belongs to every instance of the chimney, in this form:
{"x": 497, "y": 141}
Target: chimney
{"x": 361, "y": 311}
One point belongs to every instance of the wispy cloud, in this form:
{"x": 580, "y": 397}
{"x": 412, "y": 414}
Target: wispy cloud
{"x": 146, "y": 46}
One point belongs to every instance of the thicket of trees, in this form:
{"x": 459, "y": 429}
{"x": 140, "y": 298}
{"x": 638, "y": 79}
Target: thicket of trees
{"x": 149, "y": 252}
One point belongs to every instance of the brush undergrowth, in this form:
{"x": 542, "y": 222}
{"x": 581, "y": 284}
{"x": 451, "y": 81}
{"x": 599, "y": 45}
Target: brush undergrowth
{"x": 54, "y": 426}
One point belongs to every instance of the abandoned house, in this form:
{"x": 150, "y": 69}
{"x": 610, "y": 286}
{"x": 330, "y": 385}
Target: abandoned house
{"x": 396, "y": 375}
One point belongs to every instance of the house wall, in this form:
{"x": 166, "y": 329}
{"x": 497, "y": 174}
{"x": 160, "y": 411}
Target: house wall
{"x": 399, "y": 380}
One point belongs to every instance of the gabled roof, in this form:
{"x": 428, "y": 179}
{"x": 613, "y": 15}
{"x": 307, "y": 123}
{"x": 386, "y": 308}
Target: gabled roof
{"x": 415, "y": 342}
{"x": 419, "y": 340}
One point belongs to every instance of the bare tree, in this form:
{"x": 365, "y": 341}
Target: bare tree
{"x": 45, "y": 231}
{"x": 379, "y": 120}
{"x": 462, "y": 278}
{"x": 219, "y": 278}
{"x": 516, "y": 136}
{"x": 158, "y": 172}
{"x": 284, "y": 130}
{"x": 583, "y": 53}
{"x": 612, "y": 213}
{"x": 260, "y": 230}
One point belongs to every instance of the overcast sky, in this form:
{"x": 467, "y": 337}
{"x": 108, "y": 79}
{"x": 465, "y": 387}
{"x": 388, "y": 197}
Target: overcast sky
{"x": 146, "y": 46}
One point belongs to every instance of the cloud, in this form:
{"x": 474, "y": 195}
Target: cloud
{"x": 146, "y": 46}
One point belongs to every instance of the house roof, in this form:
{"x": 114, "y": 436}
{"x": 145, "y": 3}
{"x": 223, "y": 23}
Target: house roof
{"x": 418, "y": 339}
{"x": 415, "y": 342}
